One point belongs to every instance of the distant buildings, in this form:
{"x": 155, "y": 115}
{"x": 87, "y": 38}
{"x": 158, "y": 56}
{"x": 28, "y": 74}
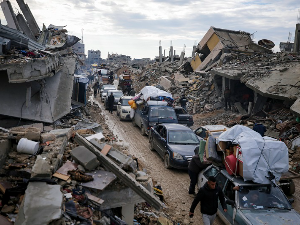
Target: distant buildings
{"x": 118, "y": 59}
{"x": 78, "y": 48}
{"x": 94, "y": 57}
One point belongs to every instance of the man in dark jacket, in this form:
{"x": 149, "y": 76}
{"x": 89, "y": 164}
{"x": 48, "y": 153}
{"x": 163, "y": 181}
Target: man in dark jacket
{"x": 111, "y": 100}
{"x": 208, "y": 195}
{"x": 259, "y": 128}
{"x": 194, "y": 168}
{"x": 183, "y": 100}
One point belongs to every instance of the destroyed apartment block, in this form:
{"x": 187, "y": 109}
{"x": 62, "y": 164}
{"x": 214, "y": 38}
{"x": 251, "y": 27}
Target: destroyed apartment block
{"x": 36, "y": 68}
{"x": 219, "y": 41}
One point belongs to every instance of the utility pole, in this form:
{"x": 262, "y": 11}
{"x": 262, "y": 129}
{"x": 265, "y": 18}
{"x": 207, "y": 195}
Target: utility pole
{"x": 82, "y": 35}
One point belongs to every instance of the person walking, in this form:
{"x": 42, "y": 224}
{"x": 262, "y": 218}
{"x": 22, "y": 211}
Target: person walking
{"x": 259, "y": 128}
{"x": 96, "y": 87}
{"x": 111, "y": 100}
{"x": 227, "y": 95}
{"x": 209, "y": 195}
{"x": 183, "y": 100}
{"x": 194, "y": 168}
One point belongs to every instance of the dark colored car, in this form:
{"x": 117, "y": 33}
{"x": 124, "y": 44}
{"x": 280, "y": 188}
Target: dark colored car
{"x": 175, "y": 143}
{"x": 253, "y": 203}
{"x": 149, "y": 115}
{"x": 183, "y": 117}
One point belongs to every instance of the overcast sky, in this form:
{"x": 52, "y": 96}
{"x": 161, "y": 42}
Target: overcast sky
{"x": 134, "y": 27}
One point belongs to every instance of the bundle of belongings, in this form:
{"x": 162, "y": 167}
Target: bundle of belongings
{"x": 152, "y": 96}
{"x": 255, "y": 158}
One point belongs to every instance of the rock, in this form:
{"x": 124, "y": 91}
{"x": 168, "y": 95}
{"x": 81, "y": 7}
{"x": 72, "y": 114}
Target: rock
{"x": 47, "y": 137}
{"x": 164, "y": 221}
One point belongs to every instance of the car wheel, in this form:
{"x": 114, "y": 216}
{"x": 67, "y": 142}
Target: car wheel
{"x": 151, "y": 144}
{"x": 289, "y": 189}
{"x": 118, "y": 114}
{"x": 143, "y": 131}
{"x": 167, "y": 161}
{"x": 120, "y": 118}
{"x": 133, "y": 122}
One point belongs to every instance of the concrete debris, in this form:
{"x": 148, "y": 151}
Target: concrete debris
{"x": 85, "y": 158}
{"x": 42, "y": 204}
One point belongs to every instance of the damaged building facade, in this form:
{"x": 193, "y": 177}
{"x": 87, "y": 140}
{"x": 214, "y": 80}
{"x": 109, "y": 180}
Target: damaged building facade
{"x": 36, "y": 68}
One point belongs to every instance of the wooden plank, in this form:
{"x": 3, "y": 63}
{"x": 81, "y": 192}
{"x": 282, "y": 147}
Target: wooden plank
{"x": 106, "y": 149}
{"x": 94, "y": 198}
{"x": 61, "y": 176}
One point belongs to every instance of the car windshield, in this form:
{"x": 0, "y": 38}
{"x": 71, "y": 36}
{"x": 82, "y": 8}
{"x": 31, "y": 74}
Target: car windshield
{"x": 162, "y": 112}
{"x": 124, "y": 102}
{"x": 182, "y": 137}
{"x": 116, "y": 94}
{"x": 262, "y": 197}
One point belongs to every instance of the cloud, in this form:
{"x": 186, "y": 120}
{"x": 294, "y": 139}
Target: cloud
{"x": 135, "y": 27}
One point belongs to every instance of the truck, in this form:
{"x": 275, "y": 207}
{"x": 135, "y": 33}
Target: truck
{"x": 124, "y": 82}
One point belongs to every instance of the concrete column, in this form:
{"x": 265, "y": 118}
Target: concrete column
{"x": 128, "y": 213}
{"x": 181, "y": 58}
{"x": 160, "y": 53}
{"x": 171, "y": 53}
{"x": 9, "y": 14}
{"x": 223, "y": 85}
{"x": 194, "y": 51}
{"x": 29, "y": 17}
{"x": 297, "y": 38}
{"x": 24, "y": 26}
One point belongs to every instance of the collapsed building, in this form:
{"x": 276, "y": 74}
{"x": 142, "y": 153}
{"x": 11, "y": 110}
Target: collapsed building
{"x": 36, "y": 68}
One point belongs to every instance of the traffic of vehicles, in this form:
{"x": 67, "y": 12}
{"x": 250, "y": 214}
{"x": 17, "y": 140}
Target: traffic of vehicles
{"x": 170, "y": 136}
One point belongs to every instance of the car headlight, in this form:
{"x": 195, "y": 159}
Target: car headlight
{"x": 177, "y": 156}
{"x": 124, "y": 111}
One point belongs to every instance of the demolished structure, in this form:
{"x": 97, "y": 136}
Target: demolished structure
{"x": 36, "y": 68}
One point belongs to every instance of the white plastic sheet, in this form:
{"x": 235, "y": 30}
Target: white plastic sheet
{"x": 150, "y": 91}
{"x": 260, "y": 155}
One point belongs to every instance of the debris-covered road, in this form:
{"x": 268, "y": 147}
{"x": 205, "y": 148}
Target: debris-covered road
{"x": 174, "y": 183}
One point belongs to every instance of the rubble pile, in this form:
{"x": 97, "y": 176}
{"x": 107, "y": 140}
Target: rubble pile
{"x": 64, "y": 161}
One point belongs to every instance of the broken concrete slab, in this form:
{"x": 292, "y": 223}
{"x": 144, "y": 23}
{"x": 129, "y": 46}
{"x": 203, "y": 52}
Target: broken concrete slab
{"x": 41, "y": 205}
{"x": 62, "y": 132}
{"x": 125, "y": 161}
{"x": 5, "y": 146}
{"x": 47, "y": 137}
{"x": 86, "y": 158}
{"x": 133, "y": 185}
{"x": 101, "y": 179}
{"x": 41, "y": 167}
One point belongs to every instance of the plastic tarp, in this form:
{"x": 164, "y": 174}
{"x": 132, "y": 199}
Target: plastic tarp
{"x": 260, "y": 155}
{"x": 150, "y": 91}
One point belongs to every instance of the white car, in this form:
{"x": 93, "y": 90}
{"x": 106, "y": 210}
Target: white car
{"x": 123, "y": 108}
{"x": 104, "y": 93}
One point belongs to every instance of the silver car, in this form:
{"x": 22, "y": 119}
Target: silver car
{"x": 253, "y": 203}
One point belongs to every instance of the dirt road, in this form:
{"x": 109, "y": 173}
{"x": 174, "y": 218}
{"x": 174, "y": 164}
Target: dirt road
{"x": 174, "y": 183}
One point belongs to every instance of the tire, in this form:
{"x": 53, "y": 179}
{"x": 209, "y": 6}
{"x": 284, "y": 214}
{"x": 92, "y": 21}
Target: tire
{"x": 292, "y": 187}
{"x": 118, "y": 114}
{"x": 151, "y": 144}
{"x": 143, "y": 131}
{"x": 167, "y": 161}
{"x": 120, "y": 118}
{"x": 133, "y": 122}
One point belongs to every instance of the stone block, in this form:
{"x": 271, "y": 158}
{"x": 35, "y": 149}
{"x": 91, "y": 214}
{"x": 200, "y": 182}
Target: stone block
{"x": 164, "y": 221}
{"x": 85, "y": 157}
{"x": 41, "y": 167}
{"x": 47, "y": 137}
{"x": 33, "y": 133}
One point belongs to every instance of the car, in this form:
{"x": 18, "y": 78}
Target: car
{"x": 104, "y": 93}
{"x": 175, "y": 143}
{"x": 146, "y": 116}
{"x": 106, "y": 86}
{"x": 117, "y": 94}
{"x": 123, "y": 108}
{"x": 183, "y": 117}
{"x": 203, "y": 131}
{"x": 253, "y": 203}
